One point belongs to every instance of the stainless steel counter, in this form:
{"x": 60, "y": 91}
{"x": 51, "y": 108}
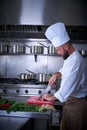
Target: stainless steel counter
{"x": 16, "y": 120}
{"x": 21, "y": 114}
{"x": 12, "y": 123}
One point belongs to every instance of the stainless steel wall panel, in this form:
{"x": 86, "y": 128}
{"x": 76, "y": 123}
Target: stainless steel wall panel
{"x": 12, "y": 65}
{"x": 54, "y": 63}
{"x": 3, "y": 66}
{"x": 18, "y": 64}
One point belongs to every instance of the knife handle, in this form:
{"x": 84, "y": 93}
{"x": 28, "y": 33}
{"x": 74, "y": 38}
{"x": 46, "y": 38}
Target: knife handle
{"x": 47, "y": 89}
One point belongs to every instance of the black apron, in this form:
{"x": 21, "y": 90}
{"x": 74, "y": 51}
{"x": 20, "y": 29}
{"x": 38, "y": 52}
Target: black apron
{"x": 74, "y": 115}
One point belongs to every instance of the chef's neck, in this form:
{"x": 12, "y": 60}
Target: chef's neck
{"x": 71, "y": 49}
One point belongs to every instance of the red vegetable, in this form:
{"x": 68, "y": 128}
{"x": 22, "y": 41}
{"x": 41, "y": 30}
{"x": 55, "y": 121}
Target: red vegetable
{"x": 4, "y": 106}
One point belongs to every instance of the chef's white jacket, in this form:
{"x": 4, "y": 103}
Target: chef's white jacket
{"x": 73, "y": 80}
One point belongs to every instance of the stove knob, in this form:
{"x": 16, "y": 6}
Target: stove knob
{"x": 17, "y": 90}
{"x": 39, "y": 92}
{"x": 4, "y": 90}
{"x": 49, "y": 92}
{"x": 26, "y": 91}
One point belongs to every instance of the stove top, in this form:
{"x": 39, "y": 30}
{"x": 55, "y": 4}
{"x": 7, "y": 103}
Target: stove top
{"x": 20, "y": 81}
{"x": 18, "y": 87}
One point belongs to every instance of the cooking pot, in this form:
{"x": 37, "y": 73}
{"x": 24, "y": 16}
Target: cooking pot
{"x": 30, "y": 76}
{"x": 18, "y": 49}
{"x": 36, "y": 50}
{"x": 4, "y": 48}
{"x": 83, "y": 52}
{"x": 42, "y": 77}
{"x": 25, "y": 76}
{"x": 51, "y": 49}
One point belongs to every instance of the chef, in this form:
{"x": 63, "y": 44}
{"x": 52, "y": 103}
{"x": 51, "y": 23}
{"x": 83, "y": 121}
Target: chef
{"x": 73, "y": 87}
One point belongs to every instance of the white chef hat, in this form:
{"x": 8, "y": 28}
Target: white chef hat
{"x": 57, "y": 34}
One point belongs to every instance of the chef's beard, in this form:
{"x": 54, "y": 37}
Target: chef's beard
{"x": 66, "y": 55}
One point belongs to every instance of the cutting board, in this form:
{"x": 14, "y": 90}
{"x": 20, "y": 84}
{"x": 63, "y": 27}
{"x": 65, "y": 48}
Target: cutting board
{"x": 35, "y": 101}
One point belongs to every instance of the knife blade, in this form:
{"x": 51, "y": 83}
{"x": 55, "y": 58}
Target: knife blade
{"x": 48, "y": 89}
{"x": 45, "y": 91}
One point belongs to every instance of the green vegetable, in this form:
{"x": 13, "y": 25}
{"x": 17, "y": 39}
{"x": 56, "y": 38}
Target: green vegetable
{"x": 4, "y": 101}
{"x": 22, "y": 106}
{"x": 42, "y": 109}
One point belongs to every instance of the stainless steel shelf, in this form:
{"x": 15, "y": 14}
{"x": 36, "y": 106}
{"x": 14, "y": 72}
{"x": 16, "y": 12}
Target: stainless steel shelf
{"x": 27, "y": 54}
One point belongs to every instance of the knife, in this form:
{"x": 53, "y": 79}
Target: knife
{"x": 47, "y": 89}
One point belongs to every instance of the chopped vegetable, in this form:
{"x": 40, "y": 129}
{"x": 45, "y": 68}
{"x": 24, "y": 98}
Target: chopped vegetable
{"x": 3, "y": 101}
{"x": 46, "y": 107}
{"x": 42, "y": 109}
{"x": 22, "y": 106}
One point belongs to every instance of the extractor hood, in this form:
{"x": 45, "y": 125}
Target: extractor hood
{"x": 76, "y": 33}
{"x": 43, "y": 12}
{"x": 30, "y": 18}
{"x": 22, "y": 31}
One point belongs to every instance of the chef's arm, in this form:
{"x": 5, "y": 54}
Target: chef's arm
{"x": 53, "y": 78}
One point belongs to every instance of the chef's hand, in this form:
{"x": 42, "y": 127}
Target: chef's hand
{"x": 48, "y": 97}
{"x": 53, "y": 78}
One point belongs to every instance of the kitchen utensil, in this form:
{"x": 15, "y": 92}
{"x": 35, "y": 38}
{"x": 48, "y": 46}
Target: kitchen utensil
{"x": 45, "y": 91}
{"x": 48, "y": 89}
{"x": 30, "y": 71}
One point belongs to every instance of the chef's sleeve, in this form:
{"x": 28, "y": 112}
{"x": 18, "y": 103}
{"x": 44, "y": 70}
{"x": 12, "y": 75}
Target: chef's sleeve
{"x": 69, "y": 84}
